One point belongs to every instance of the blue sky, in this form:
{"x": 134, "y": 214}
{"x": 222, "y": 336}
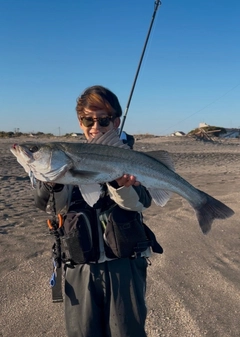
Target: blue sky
{"x": 52, "y": 50}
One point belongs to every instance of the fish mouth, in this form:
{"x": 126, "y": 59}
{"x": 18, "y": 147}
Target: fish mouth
{"x": 19, "y": 151}
{"x": 14, "y": 148}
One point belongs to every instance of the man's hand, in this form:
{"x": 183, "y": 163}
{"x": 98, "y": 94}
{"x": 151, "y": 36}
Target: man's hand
{"x": 127, "y": 180}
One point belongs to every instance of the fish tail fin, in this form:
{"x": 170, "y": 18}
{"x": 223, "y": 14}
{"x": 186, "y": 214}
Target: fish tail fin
{"x": 210, "y": 210}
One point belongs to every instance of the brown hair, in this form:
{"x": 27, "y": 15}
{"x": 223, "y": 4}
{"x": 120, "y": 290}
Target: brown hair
{"x": 98, "y": 98}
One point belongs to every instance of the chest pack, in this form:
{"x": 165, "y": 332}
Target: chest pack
{"x": 125, "y": 234}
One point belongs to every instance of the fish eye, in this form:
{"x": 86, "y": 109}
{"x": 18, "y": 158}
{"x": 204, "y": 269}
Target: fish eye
{"x": 33, "y": 148}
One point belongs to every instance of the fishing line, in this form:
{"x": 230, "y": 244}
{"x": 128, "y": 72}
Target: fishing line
{"x": 206, "y": 106}
{"x": 156, "y": 5}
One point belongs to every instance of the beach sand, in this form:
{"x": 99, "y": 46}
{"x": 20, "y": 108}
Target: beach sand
{"x": 193, "y": 289}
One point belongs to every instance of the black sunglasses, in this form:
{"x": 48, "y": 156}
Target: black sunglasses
{"x": 102, "y": 121}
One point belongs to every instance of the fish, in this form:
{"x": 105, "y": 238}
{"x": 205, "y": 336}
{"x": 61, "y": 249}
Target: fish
{"x": 104, "y": 159}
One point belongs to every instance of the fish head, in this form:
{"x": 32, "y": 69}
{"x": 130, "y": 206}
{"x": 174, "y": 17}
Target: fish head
{"x": 47, "y": 162}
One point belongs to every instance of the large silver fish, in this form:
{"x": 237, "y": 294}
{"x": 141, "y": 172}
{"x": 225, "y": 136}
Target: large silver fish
{"x": 105, "y": 159}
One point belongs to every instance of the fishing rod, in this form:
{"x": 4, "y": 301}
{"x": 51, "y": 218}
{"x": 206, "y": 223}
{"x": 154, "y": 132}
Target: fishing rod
{"x": 156, "y": 5}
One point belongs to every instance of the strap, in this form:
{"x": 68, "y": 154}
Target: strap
{"x": 56, "y": 284}
{"x": 55, "y": 225}
{"x": 56, "y": 278}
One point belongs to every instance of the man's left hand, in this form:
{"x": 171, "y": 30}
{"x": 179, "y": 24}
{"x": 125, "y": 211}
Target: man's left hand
{"x": 127, "y": 180}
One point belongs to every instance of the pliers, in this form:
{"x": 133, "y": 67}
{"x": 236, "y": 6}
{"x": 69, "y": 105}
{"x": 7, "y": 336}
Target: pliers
{"x": 60, "y": 222}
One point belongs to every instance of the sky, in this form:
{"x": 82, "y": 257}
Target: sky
{"x": 52, "y": 50}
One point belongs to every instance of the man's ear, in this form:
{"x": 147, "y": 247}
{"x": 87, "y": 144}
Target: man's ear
{"x": 116, "y": 122}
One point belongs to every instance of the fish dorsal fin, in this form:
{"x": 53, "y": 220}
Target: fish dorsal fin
{"x": 110, "y": 138}
{"x": 164, "y": 157}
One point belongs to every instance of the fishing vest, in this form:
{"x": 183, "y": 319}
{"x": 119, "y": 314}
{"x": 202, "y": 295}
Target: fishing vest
{"x": 84, "y": 229}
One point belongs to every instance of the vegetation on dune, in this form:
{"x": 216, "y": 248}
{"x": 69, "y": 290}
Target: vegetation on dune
{"x": 12, "y": 134}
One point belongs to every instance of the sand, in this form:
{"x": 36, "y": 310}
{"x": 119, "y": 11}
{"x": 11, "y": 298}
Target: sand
{"x": 193, "y": 288}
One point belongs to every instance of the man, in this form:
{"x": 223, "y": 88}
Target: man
{"x": 104, "y": 293}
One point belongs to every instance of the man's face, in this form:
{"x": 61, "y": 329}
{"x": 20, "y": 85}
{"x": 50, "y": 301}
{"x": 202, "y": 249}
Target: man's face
{"x": 101, "y": 123}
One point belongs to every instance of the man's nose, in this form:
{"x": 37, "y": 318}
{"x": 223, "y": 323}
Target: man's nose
{"x": 96, "y": 124}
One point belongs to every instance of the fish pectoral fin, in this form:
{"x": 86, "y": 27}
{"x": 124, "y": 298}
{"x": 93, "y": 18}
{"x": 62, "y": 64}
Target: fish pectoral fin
{"x": 160, "y": 197}
{"x": 91, "y": 193}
